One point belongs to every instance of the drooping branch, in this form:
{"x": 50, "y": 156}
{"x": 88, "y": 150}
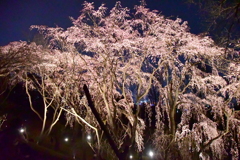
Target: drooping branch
{"x": 73, "y": 112}
{"x": 30, "y": 101}
{"x": 54, "y": 121}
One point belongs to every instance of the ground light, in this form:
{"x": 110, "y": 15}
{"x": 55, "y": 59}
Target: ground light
{"x": 66, "y": 139}
{"x": 89, "y": 137}
{"x": 151, "y": 154}
{"x": 23, "y": 133}
{"x": 131, "y": 157}
{"x": 21, "y": 130}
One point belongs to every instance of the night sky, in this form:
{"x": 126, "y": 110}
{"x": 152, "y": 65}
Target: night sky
{"x": 16, "y": 16}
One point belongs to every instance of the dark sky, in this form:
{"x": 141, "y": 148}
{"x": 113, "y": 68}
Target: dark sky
{"x": 16, "y": 16}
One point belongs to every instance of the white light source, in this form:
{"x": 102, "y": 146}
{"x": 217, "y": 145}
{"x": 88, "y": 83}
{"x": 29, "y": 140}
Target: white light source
{"x": 89, "y": 137}
{"x": 151, "y": 154}
{"x": 21, "y": 130}
{"x": 66, "y": 139}
{"x": 131, "y": 157}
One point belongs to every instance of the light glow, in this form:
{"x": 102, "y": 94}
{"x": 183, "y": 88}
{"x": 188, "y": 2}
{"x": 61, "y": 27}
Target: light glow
{"x": 131, "y": 157}
{"x": 151, "y": 154}
{"x": 21, "y": 130}
{"x": 66, "y": 139}
{"x": 89, "y": 137}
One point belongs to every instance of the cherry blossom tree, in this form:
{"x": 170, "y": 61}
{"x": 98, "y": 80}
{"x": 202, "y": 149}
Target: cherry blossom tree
{"x": 120, "y": 56}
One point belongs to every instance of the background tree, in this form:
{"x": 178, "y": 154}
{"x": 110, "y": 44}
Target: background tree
{"x": 221, "y": 20}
